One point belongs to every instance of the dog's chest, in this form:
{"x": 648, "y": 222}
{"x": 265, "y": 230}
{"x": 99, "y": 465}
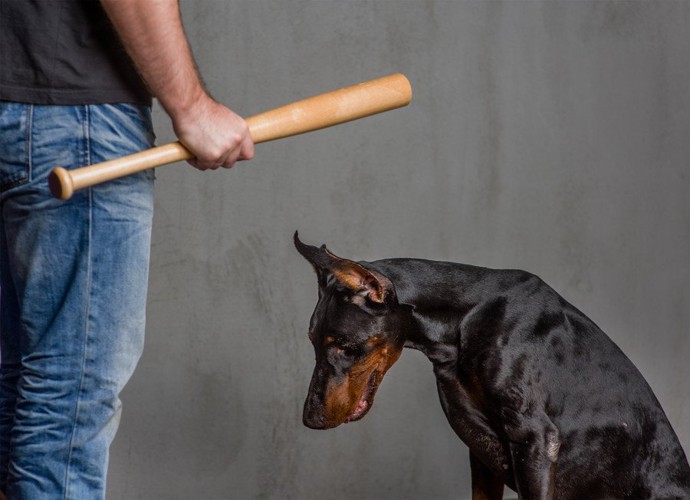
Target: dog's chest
{"x": 465, "y": 405}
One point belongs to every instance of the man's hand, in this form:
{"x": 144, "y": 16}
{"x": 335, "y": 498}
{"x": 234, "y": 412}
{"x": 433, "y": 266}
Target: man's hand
{"x": 216, "y": 135}
{"x": 152, "y": 33}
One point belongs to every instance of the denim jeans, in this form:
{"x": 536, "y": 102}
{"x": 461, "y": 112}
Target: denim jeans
{"x": 73, "y": 294}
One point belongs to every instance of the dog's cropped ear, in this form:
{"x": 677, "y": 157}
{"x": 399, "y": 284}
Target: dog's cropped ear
{"x": 351, "y": 274}
{"x": 317, "y": 257}
{"x": 362, "y": 281}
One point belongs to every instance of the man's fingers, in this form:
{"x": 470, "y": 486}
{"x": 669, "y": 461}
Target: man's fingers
{"x": 228, "y": 160}
{"x": 247, "y": 148}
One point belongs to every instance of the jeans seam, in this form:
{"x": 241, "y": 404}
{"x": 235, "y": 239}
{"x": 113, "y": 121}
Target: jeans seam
{"x": 29, "y": 141}
{"x": 87, "y": 308}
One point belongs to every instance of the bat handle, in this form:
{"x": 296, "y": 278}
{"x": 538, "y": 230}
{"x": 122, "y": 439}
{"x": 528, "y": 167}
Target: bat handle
{"x": 313, "y": 113}
{"x": 63, "y": 183}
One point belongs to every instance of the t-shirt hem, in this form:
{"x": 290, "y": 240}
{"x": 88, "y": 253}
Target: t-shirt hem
{"x": 71, "y": 97}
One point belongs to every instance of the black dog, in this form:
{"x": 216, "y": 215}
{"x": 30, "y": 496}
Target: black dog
{"x": 545, "y": 401}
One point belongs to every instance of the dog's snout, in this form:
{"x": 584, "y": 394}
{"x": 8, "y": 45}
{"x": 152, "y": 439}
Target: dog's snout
{"x": 313, "y": 420}
{"x": 313, "y": 415}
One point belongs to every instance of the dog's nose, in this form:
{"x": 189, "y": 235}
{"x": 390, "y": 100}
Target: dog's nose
{"x": 314, "y": 420}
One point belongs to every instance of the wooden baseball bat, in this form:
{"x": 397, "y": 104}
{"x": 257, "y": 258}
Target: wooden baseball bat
{"x": 313, "y": 113}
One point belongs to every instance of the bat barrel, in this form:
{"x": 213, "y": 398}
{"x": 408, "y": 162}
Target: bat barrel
{"x": 332, "y": 108}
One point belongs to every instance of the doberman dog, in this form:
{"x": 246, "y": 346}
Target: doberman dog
{"x": 546, "y": 403}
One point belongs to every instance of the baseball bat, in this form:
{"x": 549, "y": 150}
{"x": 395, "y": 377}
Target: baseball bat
{"x": 314, "y": 113}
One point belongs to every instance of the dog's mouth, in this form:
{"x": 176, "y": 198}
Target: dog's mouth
{"x": 366, "y": 400}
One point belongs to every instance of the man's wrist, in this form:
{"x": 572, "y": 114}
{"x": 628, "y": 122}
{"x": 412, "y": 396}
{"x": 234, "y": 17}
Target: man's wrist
{"x": 180, "y": 103}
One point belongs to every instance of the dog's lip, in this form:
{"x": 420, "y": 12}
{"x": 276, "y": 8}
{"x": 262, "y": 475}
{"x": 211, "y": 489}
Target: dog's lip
{"x": 365, "y": 401}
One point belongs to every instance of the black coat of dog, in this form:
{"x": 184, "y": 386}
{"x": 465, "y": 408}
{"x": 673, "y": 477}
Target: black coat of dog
{"x": 547, "y": 404}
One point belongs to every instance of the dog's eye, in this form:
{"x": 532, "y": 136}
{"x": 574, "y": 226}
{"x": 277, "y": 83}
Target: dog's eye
{"x": 351, "y": 350}
{"x": 336, "y": 356}
{"x": 340, "y": 351}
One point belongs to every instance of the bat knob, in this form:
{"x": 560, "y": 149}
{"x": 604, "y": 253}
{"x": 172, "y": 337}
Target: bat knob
{"x": 60, "y": 183}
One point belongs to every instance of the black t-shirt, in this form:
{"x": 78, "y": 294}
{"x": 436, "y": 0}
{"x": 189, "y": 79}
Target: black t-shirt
{"x": 64, "y": 52}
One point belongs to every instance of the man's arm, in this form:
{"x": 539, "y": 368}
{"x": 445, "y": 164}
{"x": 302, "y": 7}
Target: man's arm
{"x": 152, "y": 33}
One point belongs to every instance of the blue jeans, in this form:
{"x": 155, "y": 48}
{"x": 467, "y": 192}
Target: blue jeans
{"x": 73, "y": 295}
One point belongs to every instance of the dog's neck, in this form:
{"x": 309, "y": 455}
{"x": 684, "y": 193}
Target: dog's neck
{"x": 439, "y": 296}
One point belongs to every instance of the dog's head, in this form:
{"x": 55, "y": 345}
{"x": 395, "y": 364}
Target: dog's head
{"x": 356, "y": 331}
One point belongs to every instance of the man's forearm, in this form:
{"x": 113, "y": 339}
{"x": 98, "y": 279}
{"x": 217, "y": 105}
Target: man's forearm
{"x": 152, "y": 33}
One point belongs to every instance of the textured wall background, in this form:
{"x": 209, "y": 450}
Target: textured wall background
{"x": 545, "y": 135}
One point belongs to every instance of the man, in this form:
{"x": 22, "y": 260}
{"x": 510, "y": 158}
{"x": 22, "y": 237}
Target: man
{"x": 74, "y": 274}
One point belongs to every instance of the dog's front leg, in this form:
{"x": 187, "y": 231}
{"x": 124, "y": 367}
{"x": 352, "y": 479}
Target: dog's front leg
{"x": 485, "y": 484}
{"x": 534, "y": 456}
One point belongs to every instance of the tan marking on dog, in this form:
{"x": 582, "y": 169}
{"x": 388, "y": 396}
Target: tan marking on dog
{"x": 341, "y": 401}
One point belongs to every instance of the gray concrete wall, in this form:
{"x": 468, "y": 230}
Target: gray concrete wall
{"x": 544, "y": 135}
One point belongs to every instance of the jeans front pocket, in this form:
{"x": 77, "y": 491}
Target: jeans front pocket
{"x": 14, "y": 160}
